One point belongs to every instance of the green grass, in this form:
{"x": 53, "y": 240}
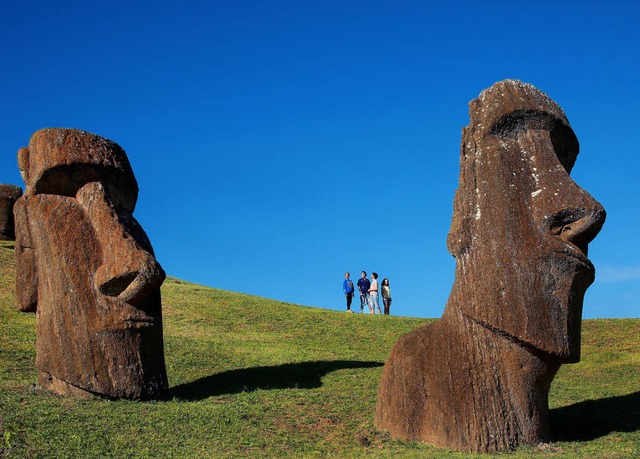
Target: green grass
{"x": 252, "y": 377}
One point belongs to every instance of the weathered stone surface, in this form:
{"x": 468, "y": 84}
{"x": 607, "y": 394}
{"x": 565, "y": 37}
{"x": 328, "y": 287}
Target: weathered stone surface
{"x": 8, "y": 196}
{"x": 87, "y": 269}
{"x": 478, "y": 379}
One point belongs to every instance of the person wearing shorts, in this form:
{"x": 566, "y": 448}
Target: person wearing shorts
{"x": 374, "y": 300}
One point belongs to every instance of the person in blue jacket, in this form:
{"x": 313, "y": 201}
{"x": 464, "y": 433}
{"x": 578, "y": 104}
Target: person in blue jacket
{"x": 347, "y": 288}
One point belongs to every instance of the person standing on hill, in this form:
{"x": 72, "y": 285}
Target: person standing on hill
{"x": 385, "y": 290}
{"x": 347, "y": 288}
{"x": 374, "y": 300}
{"x": 363, "y": 288}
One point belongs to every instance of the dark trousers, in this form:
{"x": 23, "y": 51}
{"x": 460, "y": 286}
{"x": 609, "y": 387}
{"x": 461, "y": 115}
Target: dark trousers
{"x": 349, "y": 300}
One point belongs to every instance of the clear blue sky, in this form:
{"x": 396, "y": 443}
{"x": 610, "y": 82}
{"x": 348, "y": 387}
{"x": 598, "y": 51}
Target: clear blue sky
{"x": 278, "y": 144}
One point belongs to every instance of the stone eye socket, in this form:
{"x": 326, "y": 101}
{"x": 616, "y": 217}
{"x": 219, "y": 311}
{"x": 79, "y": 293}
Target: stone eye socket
{"x": 564, "y": 141}
{"x": 67, "y": 180}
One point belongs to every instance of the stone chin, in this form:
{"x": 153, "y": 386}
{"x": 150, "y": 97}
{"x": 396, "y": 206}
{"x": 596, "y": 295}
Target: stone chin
{"x": 542, "y": 310}
{"x": 566, "y": 296}
{"x": 552, "y": 320}
{"x": 122, "y": 349}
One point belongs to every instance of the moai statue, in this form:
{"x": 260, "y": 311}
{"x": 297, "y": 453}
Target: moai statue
{"x": 87, "y": 269}
{"x": 9, "y": 194}
{"x": 478, "y": 379}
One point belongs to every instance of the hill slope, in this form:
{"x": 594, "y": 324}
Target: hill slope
{"x": 261, "y": 378}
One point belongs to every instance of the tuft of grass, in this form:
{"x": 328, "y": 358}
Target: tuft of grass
{"x": 263, "y": 378}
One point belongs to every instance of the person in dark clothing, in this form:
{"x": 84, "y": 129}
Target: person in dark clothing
{"x": 363, "y": 287}
{"x": 386, "y": 295}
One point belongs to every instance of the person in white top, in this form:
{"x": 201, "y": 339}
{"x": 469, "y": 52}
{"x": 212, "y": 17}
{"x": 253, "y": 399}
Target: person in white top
{"x": 374, "y": 301}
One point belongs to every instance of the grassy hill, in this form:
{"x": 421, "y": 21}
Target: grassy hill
{"x": 252, "y": 377}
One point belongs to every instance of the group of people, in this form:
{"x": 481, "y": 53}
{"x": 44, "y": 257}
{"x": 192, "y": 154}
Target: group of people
{"x": 369, "y": 294}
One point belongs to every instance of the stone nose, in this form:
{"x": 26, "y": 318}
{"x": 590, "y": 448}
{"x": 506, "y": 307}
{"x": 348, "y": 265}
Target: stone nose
{"x": 129, "y": 271}
{"x": 578, "y": 227}
{"x": 562, "y": 205}
{"x": 131, "y": 281}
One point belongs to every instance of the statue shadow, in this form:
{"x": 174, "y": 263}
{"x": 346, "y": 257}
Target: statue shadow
{"x": 303, "y": 375}
{"x": 593, "y": 419}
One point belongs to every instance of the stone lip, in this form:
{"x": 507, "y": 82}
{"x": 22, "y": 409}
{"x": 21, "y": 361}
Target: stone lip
{"x": 478, "y": 379}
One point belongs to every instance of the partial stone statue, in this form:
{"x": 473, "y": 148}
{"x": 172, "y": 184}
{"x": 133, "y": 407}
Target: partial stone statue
{"x": 87, "y": 269}
{"x": 478, "y": 379}
{"x": 9, "y": 194}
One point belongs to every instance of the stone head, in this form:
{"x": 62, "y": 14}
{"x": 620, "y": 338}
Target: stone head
{"x": 87, "y": 269}
{"x": 9, "y": 194}
{"x": 521, "y": 225}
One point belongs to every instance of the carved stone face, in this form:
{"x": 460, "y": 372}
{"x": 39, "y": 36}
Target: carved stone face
{"x": 521, "y": 225}
{"x": 8, "y": 196}
{"x": 87, "y": 268}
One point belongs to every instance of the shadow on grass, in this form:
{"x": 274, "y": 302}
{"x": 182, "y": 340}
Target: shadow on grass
{"x": 304, "y": 375}
{"x": 593, "y": 419}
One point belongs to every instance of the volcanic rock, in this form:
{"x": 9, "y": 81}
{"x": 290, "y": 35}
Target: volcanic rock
{"x": 478, "y": 379}
{"x": 8, "y": 196}
{"x": 87, "y": 269}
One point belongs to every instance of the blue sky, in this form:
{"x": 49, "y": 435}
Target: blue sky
{"x": 279, "y": 144}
